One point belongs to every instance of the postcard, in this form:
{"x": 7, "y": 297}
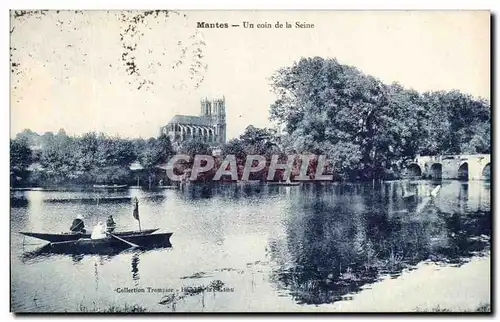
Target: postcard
{"x": 250, "y": 161}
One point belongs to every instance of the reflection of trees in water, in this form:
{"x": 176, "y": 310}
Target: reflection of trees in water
{"x": 468, "y": 233}
{"x": 332, "y": 248}
{"x": 18, "y": 202}
{"x": 194, "y": 191}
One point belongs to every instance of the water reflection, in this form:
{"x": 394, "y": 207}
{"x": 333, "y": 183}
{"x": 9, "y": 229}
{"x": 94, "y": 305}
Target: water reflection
{"x": 339, "y": 241}
{"x": 307, "y": 244}
{"x": 135, "y": 267}
{"x": 46, "y": 252}
{"x": 77, "y": 258}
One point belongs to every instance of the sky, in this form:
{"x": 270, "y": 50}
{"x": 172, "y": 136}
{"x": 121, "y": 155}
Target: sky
{"x": 71, "y": 74}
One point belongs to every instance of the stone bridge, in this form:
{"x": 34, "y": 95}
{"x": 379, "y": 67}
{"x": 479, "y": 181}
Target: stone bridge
{"x": 462, "y": 167}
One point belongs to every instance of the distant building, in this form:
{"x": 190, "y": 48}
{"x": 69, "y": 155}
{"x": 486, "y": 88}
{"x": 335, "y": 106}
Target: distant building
{"x": 209, "y": 127}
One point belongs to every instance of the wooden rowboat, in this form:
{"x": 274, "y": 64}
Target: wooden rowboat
{"x": 65, "y": 237}
{"x": 112, "y": 244}
{"x": 284, "y": 183}
{"x": 71, "y": 243}
{"x": 104, "y": 186}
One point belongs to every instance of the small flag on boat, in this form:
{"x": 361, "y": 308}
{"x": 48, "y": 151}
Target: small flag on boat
{"x": 136, "y": 208}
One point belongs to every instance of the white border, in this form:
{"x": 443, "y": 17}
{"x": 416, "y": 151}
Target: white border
{"x": 190, "y": 5}
{"x": 256, "y": 4}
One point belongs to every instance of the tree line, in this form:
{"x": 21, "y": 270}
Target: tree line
{"x": 367, "y": 129}
{"x": 95, "y": 158}
{"x": 92, "y": 158}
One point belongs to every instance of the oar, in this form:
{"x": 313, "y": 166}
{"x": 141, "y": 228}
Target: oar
{"x": 123, "y": 240}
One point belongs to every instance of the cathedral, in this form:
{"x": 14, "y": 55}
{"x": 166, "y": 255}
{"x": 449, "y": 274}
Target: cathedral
{"x": 209, "y": 127}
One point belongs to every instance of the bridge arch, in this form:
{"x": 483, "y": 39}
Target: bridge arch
{"x": 462, "y": 167}
{"x": 413, "y": 170}
{"x": 436, "y": 171}
{"x": 486, "y": 173}
{"x": 463, "y": 171}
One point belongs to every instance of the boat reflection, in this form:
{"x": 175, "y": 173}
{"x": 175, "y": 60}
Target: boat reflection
{"x": 77, "y": 254}
{"x": 135, "y": 267}
{"x": 77, "y": 258}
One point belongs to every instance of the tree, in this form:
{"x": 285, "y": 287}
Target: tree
{"x": 165, "y": 146}
{"x": 87, "y": 151}
{"x": 121, "y": 152}
{"x": 332, "y": 109}
{"x": 193, "y": 147}
{"x": 152, "y": 153}
{"x": 20, "y": 160}
{"x": 31, "y": 137}
{"x": 235, "y": 147}
{"x": 480, "y": 141}
{"x": 259, "y": 141}
{"x": 58, "y": 157}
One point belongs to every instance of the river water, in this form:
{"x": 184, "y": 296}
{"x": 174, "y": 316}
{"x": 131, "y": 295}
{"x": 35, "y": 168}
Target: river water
{"x": 325, "y": 247}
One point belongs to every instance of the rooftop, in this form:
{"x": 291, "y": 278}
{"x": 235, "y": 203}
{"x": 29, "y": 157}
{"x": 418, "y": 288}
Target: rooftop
{"x": 190, "y": 119}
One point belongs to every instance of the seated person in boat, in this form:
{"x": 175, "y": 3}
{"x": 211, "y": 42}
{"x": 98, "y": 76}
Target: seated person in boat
{"x": 78, "y": 226}
{"x": 110, "y": 224}
{"x": 99, "y": 231}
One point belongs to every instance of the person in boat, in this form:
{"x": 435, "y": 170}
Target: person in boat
{"x": 110, "y": 224}
{"x": 99, "y": 231}
{"x": 78, "y": 226}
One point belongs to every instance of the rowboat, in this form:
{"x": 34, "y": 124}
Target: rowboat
{"x": 65, "y": 237}
{"x": 103, "y": 186}
{"x": 27, "y": 189}
{"x": 284, "y": 183}
{"x": 112, "y": 244}
{"x": 106, "y": 242}
{"x": 91, "y": 200}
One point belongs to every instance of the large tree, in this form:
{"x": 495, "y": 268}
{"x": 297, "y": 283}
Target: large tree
{"x": 58, "y": 157}
{"x": 194, "y": 147}
{"x": 332, "y": 109}
{"x": 364, "y": 126}
{"x": 153, "y": 152}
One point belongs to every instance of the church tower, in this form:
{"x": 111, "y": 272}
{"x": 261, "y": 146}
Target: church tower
{"x": 215, "y": 112}
{"x": 206, "y": 107}
{"x": 219, "y": 118}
